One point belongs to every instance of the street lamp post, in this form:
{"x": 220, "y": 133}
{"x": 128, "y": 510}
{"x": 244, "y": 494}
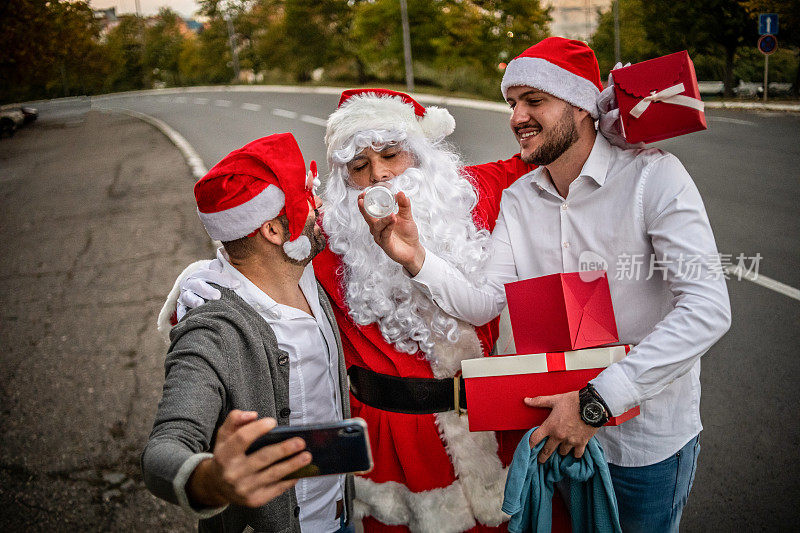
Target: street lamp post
{"x": 234, "y": 51}
{"x": 407, "y": 46}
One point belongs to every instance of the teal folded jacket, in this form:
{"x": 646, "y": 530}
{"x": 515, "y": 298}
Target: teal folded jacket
{"x": 529, "y": 490}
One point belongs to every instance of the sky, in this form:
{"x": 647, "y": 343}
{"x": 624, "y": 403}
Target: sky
{"x": 186, "y": 8}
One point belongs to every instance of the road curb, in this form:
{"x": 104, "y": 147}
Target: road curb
{"x": 792, "y": 108}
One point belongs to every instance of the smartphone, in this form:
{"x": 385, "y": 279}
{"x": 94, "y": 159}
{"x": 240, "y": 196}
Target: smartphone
{"x": 336, "y": 447}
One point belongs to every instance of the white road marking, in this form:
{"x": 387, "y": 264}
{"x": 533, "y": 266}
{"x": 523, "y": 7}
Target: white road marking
{"x": 201, "y": 101}
{"x": 314, "y": 120}
{"x": 180, "y": 99}
{"x": 222, "y": 103}
{"x": 251, "y": 107}
{"x": 764, "y": 281}
{"x": 283, "y": 113}
{"x": 732, "y": 121}
{"x": 164, "y": 99}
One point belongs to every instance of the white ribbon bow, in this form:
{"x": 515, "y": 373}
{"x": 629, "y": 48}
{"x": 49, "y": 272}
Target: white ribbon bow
{"x": 670, "y": 95}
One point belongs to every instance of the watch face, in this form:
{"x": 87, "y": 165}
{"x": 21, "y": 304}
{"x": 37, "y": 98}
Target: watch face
{"x": 592, "y": 412}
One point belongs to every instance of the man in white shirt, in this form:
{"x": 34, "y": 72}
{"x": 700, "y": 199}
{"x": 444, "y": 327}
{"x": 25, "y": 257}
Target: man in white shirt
{"x": 638, "y": 212}
{"x": 268, "y": 347}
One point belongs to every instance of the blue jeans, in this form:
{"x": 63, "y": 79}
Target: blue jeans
{"x": 345, "y": 529}
{"x": 651, "y": 498}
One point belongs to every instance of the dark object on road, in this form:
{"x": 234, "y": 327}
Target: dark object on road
{"x": 10, "y": 120}
{"x": 30, "y": 113}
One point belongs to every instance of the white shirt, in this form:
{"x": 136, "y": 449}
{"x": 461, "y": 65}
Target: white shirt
{"x": 627, "y": 209}
{"x": 313, "y": 382}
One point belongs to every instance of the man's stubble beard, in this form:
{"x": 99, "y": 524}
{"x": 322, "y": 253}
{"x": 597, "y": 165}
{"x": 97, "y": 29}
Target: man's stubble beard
{"x": 318, "y": 242}
{"x": 558, "y": 140}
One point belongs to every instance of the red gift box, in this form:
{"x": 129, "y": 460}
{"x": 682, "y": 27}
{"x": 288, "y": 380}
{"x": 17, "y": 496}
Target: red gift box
{"x": 496, "y": 386}
{"x": 659, "y": 99}
{"x": 561, "y": 312}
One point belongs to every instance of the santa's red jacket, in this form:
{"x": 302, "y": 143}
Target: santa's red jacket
{"x": 431, "y": 473}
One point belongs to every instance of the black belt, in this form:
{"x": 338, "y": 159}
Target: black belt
{"x": 415, "y": 396}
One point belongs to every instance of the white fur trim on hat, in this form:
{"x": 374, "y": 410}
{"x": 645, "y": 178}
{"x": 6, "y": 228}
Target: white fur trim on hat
{"x": 373, "y": 112}
{"x": 298, "y": 249}
{"x": 242, "y": 220}
{"x": 552, "y": 79}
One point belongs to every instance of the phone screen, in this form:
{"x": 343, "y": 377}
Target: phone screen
{"x": 336, "y": 448}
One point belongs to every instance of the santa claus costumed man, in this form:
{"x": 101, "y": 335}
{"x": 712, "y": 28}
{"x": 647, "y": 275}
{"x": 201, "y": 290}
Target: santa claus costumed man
{"x": 431, "y": 474}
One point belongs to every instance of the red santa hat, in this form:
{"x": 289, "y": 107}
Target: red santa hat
{"x": 383, "y": 109}
{"x": 565, "y": 68}
{"x": 256, "y": 183}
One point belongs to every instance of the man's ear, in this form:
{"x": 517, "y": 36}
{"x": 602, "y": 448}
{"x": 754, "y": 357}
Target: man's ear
{"x": 580, "y": 114}
{"x": 273, "y": 231}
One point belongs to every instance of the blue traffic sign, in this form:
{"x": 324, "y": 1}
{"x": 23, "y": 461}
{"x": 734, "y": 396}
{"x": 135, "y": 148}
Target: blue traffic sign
{"x": 768, "y": 24}
{"x": 767, "y": 44}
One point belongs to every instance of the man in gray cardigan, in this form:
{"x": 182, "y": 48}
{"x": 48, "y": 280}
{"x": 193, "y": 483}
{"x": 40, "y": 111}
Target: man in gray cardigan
{"x": 233, "y": 362}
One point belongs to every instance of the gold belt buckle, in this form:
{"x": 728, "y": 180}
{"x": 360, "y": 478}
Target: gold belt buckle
{"x": 457, "y": 395}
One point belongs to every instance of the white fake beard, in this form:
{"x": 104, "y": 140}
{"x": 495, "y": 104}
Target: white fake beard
{"x": 376, "y": 289}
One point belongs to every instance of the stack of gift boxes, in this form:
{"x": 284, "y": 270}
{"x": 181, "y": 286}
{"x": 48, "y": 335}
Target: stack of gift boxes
{"x": 562, "y": 326}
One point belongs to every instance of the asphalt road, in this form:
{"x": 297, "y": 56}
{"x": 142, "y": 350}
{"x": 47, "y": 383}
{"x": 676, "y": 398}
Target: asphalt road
{"x": 95, "y": 221}
{"x": 746, "y": 167}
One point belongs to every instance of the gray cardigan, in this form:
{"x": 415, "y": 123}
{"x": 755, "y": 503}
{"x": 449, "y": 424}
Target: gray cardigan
{"x": 224, "y": 356}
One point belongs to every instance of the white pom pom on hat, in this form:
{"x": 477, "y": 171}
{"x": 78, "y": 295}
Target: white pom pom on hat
{"x": 299, "y": 248}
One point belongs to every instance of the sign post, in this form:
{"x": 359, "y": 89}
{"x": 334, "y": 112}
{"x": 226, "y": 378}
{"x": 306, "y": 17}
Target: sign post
{"x": 767, "y": 43}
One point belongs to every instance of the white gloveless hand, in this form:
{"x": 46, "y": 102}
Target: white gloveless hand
{"x": 196, "y": 288}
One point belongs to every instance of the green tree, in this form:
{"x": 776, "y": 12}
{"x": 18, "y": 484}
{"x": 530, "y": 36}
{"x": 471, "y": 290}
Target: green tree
{"x": 124, "y": 47}
{"x": 191, "y": 62}
{"x": 487, "y": 33}
{"x": 457, "y": 40}
{"x": 163, "y": 43}
{"x": 513, "y": 25}
{"x": 49, "y": 48}
{"x": 377, "y": 37}
{"x": 709, "y": 27}
{"x": 634, "y": 45}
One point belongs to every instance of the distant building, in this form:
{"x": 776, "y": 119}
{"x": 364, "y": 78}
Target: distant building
{"x": 108, "y": 20}
{"x": 575, "y": 19}
{"x": 193, "y": 26}
{"x": 109, "y": 14}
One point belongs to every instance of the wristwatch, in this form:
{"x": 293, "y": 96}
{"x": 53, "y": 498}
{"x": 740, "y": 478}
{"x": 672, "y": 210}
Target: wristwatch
{"x": 593, "y": 410}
